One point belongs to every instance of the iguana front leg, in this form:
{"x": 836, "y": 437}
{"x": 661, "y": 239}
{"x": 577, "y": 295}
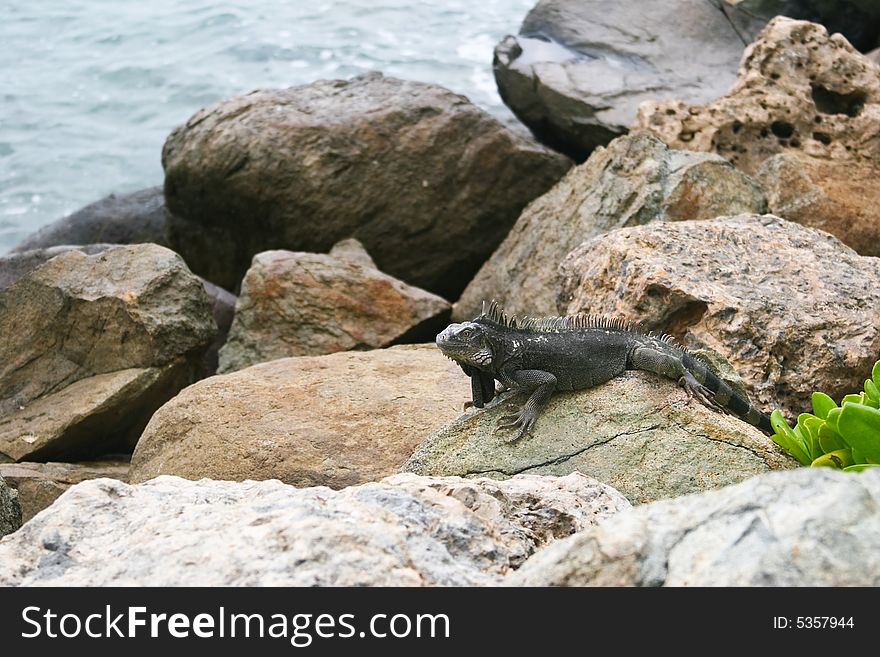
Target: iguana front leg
{"x": 542, "y": 385}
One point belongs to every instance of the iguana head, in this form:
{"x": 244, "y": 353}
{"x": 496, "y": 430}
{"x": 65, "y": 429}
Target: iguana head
{"x": 467, "y": 343}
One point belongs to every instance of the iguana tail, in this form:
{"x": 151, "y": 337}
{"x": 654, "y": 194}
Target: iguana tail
{"x": 698, "y": 378}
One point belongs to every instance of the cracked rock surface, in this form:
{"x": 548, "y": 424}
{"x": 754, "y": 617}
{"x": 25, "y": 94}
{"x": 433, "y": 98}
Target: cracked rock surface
{"x": 402, "y": 531}
{"x": 637, "y": 432}
{"x": 759, "y": 290}
{"x": 807, "y": 527}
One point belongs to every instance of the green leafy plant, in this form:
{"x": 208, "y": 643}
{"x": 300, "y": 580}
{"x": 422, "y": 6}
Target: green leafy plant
{"x": 846, "y": 437}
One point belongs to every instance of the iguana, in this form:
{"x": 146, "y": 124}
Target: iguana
{"x": 542, "y": 355}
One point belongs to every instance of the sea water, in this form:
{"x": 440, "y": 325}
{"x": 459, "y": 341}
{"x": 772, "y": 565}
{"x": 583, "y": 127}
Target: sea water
{"x": 90, "y": 89}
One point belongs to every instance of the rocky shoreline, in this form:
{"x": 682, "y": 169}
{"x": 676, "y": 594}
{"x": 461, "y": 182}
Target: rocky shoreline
{"x": 233, "y": 375}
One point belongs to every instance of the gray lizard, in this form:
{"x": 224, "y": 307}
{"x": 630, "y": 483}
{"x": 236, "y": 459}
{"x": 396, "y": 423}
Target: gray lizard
{"x": 542, "y": 355}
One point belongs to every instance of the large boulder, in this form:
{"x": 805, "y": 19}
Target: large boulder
{"x": 335, "y": 420}
{"x": 10, "y": 509}
{"x": 93, "y": 345}
{"x": 804, "y": 116}
{"x": 637, "y": 432}
{"x": 635, "y": 180}
{"x": 15, "y": 265}
{"x": 808, "y": 527}
{"x": 135, "y": 218}
{"x": 401, "y": 531}
{"x": 308, "y": 304}
{"x": 40, "y": 484}
{"x": 857, "y": 20}
{"x": 429, "y": 183}
{"x": 793, "y": 309}
{"x": 578, "y": 70}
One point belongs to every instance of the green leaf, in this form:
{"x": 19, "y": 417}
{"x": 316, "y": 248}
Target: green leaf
{"x": 822, "y": 403}
{"x": 858, "y": 467}
{"x": 852, "y": 399}
{"x": 859, "y": 426}
{"x": 787, "y": 439}
{"x": 839, "y": 459}
{"x": 872, "y": 392}
{"x": 829, "y": 439}
{"x": 809, "y": 433}
{"x": 858, "y": 457}
{"x": 833, "y": 418}
{"x": 875, "y": 374}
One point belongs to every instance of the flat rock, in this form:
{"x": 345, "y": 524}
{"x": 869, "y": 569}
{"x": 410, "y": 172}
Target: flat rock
{"x": 10, "y": 509}
{"x": 335, "y": 420}
{"x": 811, "y": 98}
{"x": 638, "y": 433}
{"x": 793, "y": 309}
{"x": 807, "y": 527}
{"x": 401, "y": 531}
{"x": 429, "y": 183}
{"x": 135, "y": 218}
{"x": 635, "y": 180}
{"x": 127, "y": 327}
{"x": 308, "y": 304}
{"x": 578, "y": 71}
{"x": 40, "y": 484}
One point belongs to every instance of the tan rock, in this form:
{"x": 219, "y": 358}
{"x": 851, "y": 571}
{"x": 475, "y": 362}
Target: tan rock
{"x": 635, "y": 180}
{"x": 334, "y": 420}
{"x": 792, "y": 308}
{"x": 811, "y": 102}
{"x": 40, "y": 484}
{"x": 92, "y": 344}
{"x": 308, "y": 304}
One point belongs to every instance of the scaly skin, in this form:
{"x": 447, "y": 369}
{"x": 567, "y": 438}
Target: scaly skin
{"x": 542, "y": 356}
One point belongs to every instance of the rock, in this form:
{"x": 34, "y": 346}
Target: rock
{"x": 40, "y": 484}
{"x": 807, "y": 527}
{"x": 791, "y": 308}
{"x": 429, "y": 183}
{"x": 96, "y": 344}
{"x": 308, "y": 304}
{"x": 842, "y": 200}
{"x": 633, "y": 181}
{"x": 401, "y": 531}
{"x": 577, "y": 72}
{"x": 857, "y": 20}
{"x": 874, "y": 56}
{"x": 223, "y": 309}
{"x": 15, "y": 265}
{"x": 810, "y": 97}
{"x": 638, "y": 433}
{"x": 10, "y": 510}
{"x": 135, "y": 218}
{"x": 335, "y": 420}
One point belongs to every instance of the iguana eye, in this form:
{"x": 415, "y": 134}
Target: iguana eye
{"x": 466, "y": 333}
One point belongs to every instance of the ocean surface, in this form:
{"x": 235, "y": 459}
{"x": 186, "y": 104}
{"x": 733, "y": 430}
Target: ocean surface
{"x": 90, "y": 89}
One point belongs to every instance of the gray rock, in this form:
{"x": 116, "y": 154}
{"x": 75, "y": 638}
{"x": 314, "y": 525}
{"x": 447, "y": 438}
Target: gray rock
{"x": 638, "y": 432}
{"x": 135, "y": 218}
{"x": 429, "y": 183}
{"x": 857, "y": 20}
{"x": 39, "y": 484}
{"x": 792, "y": 308}
{"x": 336, "y": 420}
{"x": 578, "y": 70}
{"x": 223, "y": 309}
{"x": 401, "y": 531}
{"x": 96, "y": 344}
{"x": 635, "y": 180}
{"x": 309, "y": 304}
{"x": 10, "y": 509}
{"x": 807, "y": 527}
